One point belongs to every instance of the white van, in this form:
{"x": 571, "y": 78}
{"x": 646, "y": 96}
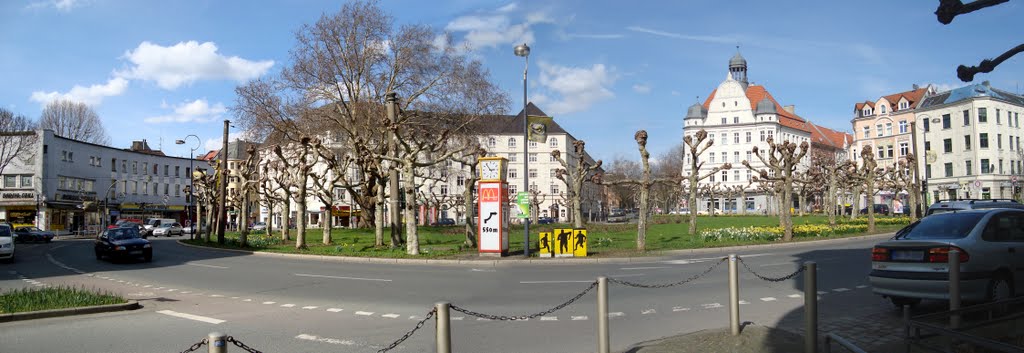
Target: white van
{"x": 153, "y": 223}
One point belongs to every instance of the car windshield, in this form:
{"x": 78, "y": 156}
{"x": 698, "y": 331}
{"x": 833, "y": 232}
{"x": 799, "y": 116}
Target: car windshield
{"x": 942, "y": 210}
{"x": 122, "y": 233}
{"x": 949, "y": 225}
{"x": 5, "y": 231}
{"x": 165, "y": 225}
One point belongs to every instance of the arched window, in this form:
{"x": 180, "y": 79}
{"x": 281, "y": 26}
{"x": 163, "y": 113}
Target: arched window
{"x": 491, "y": 142}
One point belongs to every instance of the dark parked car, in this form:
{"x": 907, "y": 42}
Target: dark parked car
{"x": 545, "y": 220}
{"x": 24, "y": 234}
{"x": 879, "y": 209}
{"x": 445, "y": 222}
{"x": 123, "y": 243}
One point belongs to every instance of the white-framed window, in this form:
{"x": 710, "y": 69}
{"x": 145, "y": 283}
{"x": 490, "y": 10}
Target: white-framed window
{"x": 904, "y": 105}
{"x": 736, "y": 175}
{"x": 491, "y": 141}
{"x": 551, "y": 158}
{"x": 735, "y": 120}
{"x": 554, "y": 189}
{"x": 444, "y": 189}
{"x": 881, "y": 109}
{"x": 533, "y": 187}
{"x": 711, "y": 157}
{"x": 725, "y": 120}
{"x": 888, "y": 129}
{"x": 533, "y": 173}
{"x": 177, "y": 191}
{"x": 762, "y": 135}
{"x": 553, "y": 171}
{"x": 460, "y": 180}
{"x": 736, "y": 137}
{"x": 512, "y": 173}
{"x": 26, "y": 181}
{"x": 512, "y": 157}
{"x": 167, "y": 189}
{"x": 725, "y": 175}
{"x": 867, "y": 131}
{"x": 903, "y": 126}
{"x": 725, "y": 139}
{"x": 748, "y": 175}
{"x": 533, "y": 143}
{"x": 878, "y": 130}
{"x": 10, "y": 181}
{"x": 736, "y": 157}
{"x": 748, "y": 136}
{"x": 511, "y": 142}
{"x": 866, "y": 111}
{"x": 552, "y": 142}
{"x": 511, "y": 189}
{"x": 145, "y": 188}
{"x": 533, "y": 157}
{"x": 904, "y": 148}
{"x": 749, "y": 154}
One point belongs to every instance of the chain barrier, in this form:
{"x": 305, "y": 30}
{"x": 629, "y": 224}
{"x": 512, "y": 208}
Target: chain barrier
{"x": 525, "y": 317}
{"x": 410, "y": 333}
{"x": 241, "y": 345}
{"x": 666, "y": 285}
{"x": 772, "y": 279}
{"x": 195, "y": 346}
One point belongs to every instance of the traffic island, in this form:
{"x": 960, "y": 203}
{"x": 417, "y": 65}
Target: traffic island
{"x": 38, "y": 303}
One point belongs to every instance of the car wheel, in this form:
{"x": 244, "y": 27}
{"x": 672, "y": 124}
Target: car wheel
{"x": 48, "y": 240}
{"x": 999, "y": 288}
{"x": 899, "y": 302}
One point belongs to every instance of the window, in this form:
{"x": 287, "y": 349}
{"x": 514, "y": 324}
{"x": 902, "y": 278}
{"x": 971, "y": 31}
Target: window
{"x": 512, "y": 174}
{"x": 26, "y": 181}
{"x": 771, "y": 133}
{"x": 927, "y": 146}
{"x": 511, "y": 189}
{"x": 553, "y": 171}
{"x": 177, "y": 191}
{"x": 10, "y": 181}
{"x": 135, "y": 167}
{"x": 967, "y": 119}
{"x": 554, "y": 189}
{"x": 982, "y": 115}
{"x": 947, "y": 145}
{"x": 748, "y": 175}
{"x": 167, "y": 189}
{"x": 904, "y": 105}
{"x": 881, "y": 109}
{"x": 552, "y": 142}
{"x": 725, "y": 139}
{"x": 983, "y": 140}
{"x": 927, "y": 125}
{"x": 711, "y": 157}
{"x": 725, "y": 175}
{"x": 888, "y": 129}
{"x": 866, "y": 111}
{"x": 124, "y": 166}
{"x": 904, "y": 148}
{"x": 491, "y": 141}
{"x": 949, "y": 169}
{"x": 156, "y": 168}
{"x": 156, "y": 189}
{"x": 927, "y": 171}
{"x": 985, "y": 167}
{"x": 725, "y": 121}
{"x": 512, "y": 142}
{"x": 533, "y": 144}
{"x": 736, "y": 175}
{"x": 997, "y": 117}
{"x": 867, "y": 132}
{"x": 903, "y": 126}
{"x": 712, "y": 178}
{"x": 881, "y": 152}
{"x": 999, "y": 141}
{"x": 736, "y": 157}
{"x": 533, "y": 173}
{"x": 512, "y": 157}
{"x": 145, "y": 167}
{"x": 967, "y": 142}
{"x": 1000, "y": 166}
{"x": 533, "y": 187}
{"x": 71, "y": 156}
{"x": 735, "y": 120}
{"x": 177, "y": 171}
{"x": 551, "y": 158}
{"x": 533, "y": 157}
{"x": 145, "y": 188}
{"x": 188, "y": 171}
{"x": 748, "y": 137}
{"x": 748, "y": 156}
{"x": 945, "y": 121}
{"x": 878, "y": 130}
{"x": 444, "y": 189}
{"x": 167, "y": 169}
{"x": 967, "y": 164}
{"x": 762, "y": 134}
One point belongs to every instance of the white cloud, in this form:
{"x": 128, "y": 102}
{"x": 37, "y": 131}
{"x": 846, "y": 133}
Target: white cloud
{"x": 198, "y": 110}
{"x": 493, "y": 29}
{"x": 217, "y": 143}
{"x": 577, "y": 87}
{"x": 60, "y": 5}
{"x": 592, "y": 36}
{"x": 642, "y": 88}
{"x": 187, "y": 62}
{"x": 710, "y": 39}
{"x": 509, "y": 8}
{"x": 676, "y": 93}
{"x": 91, "y": 95}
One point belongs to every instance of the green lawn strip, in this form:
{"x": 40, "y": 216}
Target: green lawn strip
{"x": 35, "y": 299}
{"x": 606, "y": 240}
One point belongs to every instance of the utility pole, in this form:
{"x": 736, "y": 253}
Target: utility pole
{"x": 393, "y": 209}
{"x": 223, "y": 185}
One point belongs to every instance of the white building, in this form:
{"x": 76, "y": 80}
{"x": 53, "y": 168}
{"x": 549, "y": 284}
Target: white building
{"x": 69, "y": 185}
{"x": 971, "y": 138}
{"x": 739, "y": 115}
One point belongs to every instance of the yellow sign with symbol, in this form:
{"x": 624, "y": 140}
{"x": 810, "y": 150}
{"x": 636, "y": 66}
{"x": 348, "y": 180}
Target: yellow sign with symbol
{"x": 563, "y": 242}
{"x": 546, "y": 244}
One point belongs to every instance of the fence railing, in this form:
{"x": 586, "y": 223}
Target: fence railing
{"x": 919, "y": 329}
{"x": 842, "y": 342}
{"x": 217, "y": 342}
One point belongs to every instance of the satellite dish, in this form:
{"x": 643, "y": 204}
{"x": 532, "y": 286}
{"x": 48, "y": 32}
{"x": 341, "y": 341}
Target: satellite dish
{"x": 930, "y": 157}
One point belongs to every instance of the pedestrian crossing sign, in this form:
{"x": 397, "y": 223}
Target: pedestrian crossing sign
{"x": 579, "y": 242}
{"x": 563, "y": 242}
{"x": 546, "y": 244}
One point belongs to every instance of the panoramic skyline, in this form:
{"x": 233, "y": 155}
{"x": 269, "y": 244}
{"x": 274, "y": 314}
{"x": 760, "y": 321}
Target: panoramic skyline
{"x": 160, "y": 71}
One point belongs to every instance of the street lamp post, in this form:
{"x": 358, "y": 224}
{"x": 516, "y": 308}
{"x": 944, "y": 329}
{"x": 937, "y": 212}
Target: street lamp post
{"x": 191, "y": 180}
{"x": 524, "y": 51}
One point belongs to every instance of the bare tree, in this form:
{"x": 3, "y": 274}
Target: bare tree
{"x": 826, "y": 167}
{"x": 782, "y": 163}
{"x": 333, "y": 176}
{"x": 948, "y": 10}
{"x": 710, "y": 191}
{"x": 469, "y": 160}
{"x": 620, "y": 169}
{"x": 244, "y": 187}
{"x": 74, "y": 120}
{"x": 17, "y": 140}
{"x": 574, "y": 177}
{"x": 206, "y": 193}
{"x": 298, "y": 163}
{"x": 694, "y": 178}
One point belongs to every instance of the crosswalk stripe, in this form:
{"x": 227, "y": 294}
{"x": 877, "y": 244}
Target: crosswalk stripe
{"x": 768, "y": 299}
{"x": 334, "y": 310}
{"x": 578, "y": 318}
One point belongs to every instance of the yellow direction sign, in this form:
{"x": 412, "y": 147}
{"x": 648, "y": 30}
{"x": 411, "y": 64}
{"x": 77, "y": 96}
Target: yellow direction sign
{"x": 579, "y": 242}
{"x": 546, "y": 244}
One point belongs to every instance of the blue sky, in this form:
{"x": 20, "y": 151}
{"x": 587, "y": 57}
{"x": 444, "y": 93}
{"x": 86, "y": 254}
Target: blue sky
{"x": 160, "y": 70}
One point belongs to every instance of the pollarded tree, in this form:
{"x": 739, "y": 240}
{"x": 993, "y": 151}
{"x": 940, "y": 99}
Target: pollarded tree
{"x": 574, "y": 177}
{"x": 782, "y": 163}
{"x": 298, "y": 161}
{"x": 694, "y": 178}
{"x": 326, "y": 180}
{"x": 74, "y": 120}
{"x": 825, "y": 166}
{"x": 711, "y": 191}
{"x": 899, "y": 177}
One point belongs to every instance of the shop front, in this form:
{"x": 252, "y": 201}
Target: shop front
{"x": 146, "y": 211}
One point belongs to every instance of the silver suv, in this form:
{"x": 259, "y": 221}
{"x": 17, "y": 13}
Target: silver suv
{"x": 913, "y": 265}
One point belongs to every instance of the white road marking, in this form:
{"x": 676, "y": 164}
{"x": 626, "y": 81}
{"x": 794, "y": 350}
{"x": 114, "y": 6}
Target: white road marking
{"x": 861, "y": 286}
{"x": 247, "y": 300}
{"x": 191, "y": 317}
{"x": 706, "y": 259}
{"x": 794, "y": 296}
{"x": 414, "y": 317}
{"x": 172, "y": 290}
{"x": 679, "y": 308}
{"x": 268, "y": 303}
{"x": 103, "y": 277}
{"x": 309, "y": 307}
{"x": 643, "y": 268}
{"x": 768, "y": 299}
{"x": 549, "y": 318}
{"x": 458, "y": 318}
{"x": 484, "y": 270}
{"x": 616, "y": 314}
{"x": 120, "y": 281}
{"x": 287, "y": 305}
{"x": 158, "y": 288}
{"x": 216, "y": 296}
{"x": 711, "y": 306}
{"x": 204, "y": 265}
{"x": 579, "y": 318}
{"x": 147, "y": 286}
{"x": 648, "y": 311}
{"x": 744, "y": 302}
{"x": 335, "y": 310}
{"x": 325, "y": 340}
{"x": 364, "y": 313}
{"x": 822, "y": 292}
{"x": 391, "y": 316}
{"x": 234, "y": 297}
{"x": 186, "y": 292}
{"x": 341, "y": 277}
{"x": 840, "y": 289}
{"x": 482, "y": 319}
{"x": 547, "y": 282}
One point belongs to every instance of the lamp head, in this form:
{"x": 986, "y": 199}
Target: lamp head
{"x": 179, "y": 142}
{"x": 522, "y": 50}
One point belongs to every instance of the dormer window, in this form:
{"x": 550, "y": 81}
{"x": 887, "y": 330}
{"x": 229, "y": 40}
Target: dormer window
{"x": 881, "y": 109}
{"x": 866, "y": 111}
{"x": 904, "y": 105}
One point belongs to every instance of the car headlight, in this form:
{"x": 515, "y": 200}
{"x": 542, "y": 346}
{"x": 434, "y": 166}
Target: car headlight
{"x": 119, "y": 248}
{"x": 147, "y": 246}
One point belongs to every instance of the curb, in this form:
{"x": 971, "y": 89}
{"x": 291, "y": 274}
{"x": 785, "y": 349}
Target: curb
{"x": 32, "y": 315}
{"x": 659, "y": 255}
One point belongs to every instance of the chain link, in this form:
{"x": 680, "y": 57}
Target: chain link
{"x": 410, "y": 333}
{"x": 772, "y": 279}
{"x": 525, "y": 317}
{"x": 241, "y": 345}
{"x": 666, "y": 285}
{"x": 195, "y": 346}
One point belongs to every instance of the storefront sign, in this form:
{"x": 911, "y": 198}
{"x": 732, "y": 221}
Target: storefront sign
{"x": 17, "y": 195}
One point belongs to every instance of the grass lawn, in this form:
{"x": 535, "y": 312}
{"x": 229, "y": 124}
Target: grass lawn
{"x": 604, "y": 239}
{"x": 35, "y": 299}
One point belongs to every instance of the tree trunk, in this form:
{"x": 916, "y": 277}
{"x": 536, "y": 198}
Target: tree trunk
{"x": 270, "y": 219}
{"x": 870, "y": 192}
{"x": 286, "y": 218}
{"x": 467, "y": 202}
{"x": 803, "y": 201}
{"x": 300, "y": 220}
{"x": 209, "y": 216}
{"x": 741, "y": 204}
{"x": 855, "y": 204}
{"x": 243, "y": 215}
{"x": 641, "y": 223}
{"x": 412, "y": 240}
{"x": 912, "y": 198}
{"x": 831, "y": 199}
{"x": 693, "y": 210}
{"x": 329, "y": 221}
{"x": 378, "y": 231}
{"x": 786, "y": 218}
{"x": 577, "y": 210}
{"x": 197, "y": 233}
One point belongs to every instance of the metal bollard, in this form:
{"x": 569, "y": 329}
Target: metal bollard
{"x": 444, "y": 328}
{"x": 734, "y": 296}
{"x": 954, "y": 288}
{"x": 217, "y": 342}
{"x": 906, "y": 329}
{"x": 810, "y": 307}
{"x": 603, "y": 337}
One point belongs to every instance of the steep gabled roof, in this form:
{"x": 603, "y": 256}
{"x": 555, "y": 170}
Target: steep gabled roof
{"x": 913, "y": 96}
{"x": 508, "y": 124}
{"x": 756, "y": 93}
{"x": 824, "y": 136}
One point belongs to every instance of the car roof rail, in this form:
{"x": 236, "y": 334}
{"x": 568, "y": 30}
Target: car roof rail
{"x": 994, "y": 200}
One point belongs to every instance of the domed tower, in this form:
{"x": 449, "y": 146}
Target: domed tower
{"x": 738, "y": 68}
{"x": 696, "y": 111}
{"x": 765, "y": 108}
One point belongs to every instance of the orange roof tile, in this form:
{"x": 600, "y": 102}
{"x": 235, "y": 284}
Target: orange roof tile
{"x": 755, "y": 94}
{"x": 821, "y": 135}
{"x": 912, "y": 96}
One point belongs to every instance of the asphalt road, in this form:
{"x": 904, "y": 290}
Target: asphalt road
{"x": 295, "y": 305}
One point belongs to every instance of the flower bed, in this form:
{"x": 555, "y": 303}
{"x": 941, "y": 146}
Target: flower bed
{"x": 776, "y": 233}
